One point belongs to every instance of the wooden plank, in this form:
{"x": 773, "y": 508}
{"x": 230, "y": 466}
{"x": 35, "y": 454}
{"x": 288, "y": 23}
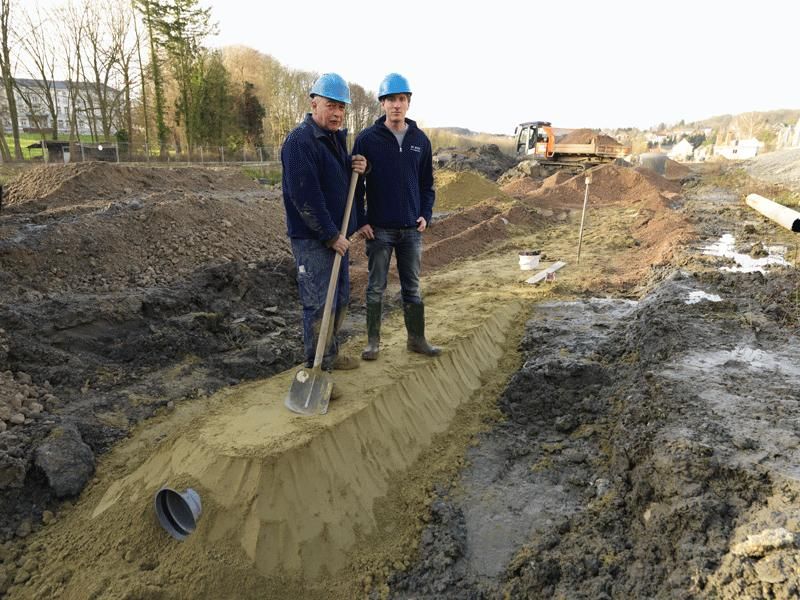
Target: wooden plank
{"x": 545, "y": 272}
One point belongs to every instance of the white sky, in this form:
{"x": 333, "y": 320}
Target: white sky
{"x": 576, "y": 63}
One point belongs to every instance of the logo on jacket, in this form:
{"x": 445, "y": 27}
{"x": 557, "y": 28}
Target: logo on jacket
{"x": 416, "y": 149}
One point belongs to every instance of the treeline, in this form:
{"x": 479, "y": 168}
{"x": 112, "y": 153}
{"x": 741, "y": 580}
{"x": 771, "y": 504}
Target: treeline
{"x": 142, "y": 72}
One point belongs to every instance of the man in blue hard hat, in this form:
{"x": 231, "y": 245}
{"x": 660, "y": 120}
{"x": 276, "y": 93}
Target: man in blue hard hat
{"x": 399, "y": 203}
{"x": 316, "y": 179}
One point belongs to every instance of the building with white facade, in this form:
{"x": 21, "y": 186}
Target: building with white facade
{"x": 682, "y": 151}
{"x": 739, "y": 149}
{"x": 33, "y": 113}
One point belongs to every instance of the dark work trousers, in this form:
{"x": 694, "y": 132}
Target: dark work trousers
{"x": 407, "y": 246}
{"x": 314, "y": 262}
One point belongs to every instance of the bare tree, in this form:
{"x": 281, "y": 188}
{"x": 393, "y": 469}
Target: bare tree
{"x": 289, "y": 102}
{"x": 363, "y": 110}
{"x": 247, "y": 65}
{"x": 100, "y": 63}
{"x": 124, "y": 38}
{"x": 39, "y": 61}
{"x": 72, "y": 17}
{"x": 749, "y": 125}
{"x": 142, "y": 79}
{"x": 7, "y": 74}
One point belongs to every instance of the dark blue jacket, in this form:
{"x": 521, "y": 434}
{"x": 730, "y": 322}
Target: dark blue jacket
{"x": 399, "y": 182}
{"x": 316, "y": 178}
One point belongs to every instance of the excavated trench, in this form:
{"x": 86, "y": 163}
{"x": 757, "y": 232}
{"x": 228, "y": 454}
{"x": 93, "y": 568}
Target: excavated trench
{"x": 640, "y": 447}
{"x": 294, "y": 491}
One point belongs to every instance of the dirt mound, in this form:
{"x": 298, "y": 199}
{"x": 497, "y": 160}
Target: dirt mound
{"x": 526, "y": 168}
{"x": 586, "y": 136}
{"x": 524, "y": 186}
{"x": 611, "y": 184}
{"x": 781, "y": 167}
{"x": 139, "y": 241}
{"x": 521, "y": 187}
{"x": 675, "y": 170}
{"x": 62, "y": 185}
{"x": 488, "y": 160}
{"x": 461, "y": 189}
{"x": 557, "y": 179}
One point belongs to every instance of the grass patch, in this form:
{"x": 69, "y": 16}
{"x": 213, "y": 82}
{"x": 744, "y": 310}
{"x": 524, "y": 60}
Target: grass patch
{"x": 271, "y": 175}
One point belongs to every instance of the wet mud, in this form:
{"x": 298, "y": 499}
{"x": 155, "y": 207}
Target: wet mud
{"x": 649, "y": 448}
{"x": 628, "y": 430}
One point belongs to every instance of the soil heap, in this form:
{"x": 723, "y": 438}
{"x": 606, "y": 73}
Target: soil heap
{"x": 122, "y": 291}
{"x": 587, "y": 136}
{"x": 488, "y": 160}
{"x": 138, "y": 226}
{"x": 781, "y": 167}
{"x": 461, "y": 189}
{"x": 675, "y": 170}
{"x": 611, "y": 184}
{"x": 56, "y": 186}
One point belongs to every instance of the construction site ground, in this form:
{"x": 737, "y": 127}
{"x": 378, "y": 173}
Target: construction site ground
{"x": 627, "y": 428}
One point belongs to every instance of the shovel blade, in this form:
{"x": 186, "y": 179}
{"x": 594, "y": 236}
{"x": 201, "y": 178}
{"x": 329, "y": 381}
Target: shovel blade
{"x": 310, "y": 393}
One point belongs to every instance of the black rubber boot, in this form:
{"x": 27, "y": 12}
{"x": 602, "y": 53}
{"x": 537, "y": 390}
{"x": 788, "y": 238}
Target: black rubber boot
{"x": 373, "y": 331}
{"x": 414, "y": 315}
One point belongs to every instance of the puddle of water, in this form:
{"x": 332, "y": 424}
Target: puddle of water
{"x": 698, "y": 296}
{"x": 745, "y": 263}
{"x": 742, "y": 357}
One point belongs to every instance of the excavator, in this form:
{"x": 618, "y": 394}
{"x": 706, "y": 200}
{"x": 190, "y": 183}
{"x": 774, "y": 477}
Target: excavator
{"x": 537, "y": 140}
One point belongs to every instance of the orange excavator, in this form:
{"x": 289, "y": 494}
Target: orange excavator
{"x": 537, "y": 140}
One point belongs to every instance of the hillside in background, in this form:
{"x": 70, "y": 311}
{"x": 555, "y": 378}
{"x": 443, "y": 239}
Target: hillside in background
{"x": 461, "y": 137}
{"x": 771, "y": 117}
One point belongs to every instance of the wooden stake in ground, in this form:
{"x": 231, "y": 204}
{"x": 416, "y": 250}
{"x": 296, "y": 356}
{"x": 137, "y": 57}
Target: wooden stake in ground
{"x": 583, "y": 215}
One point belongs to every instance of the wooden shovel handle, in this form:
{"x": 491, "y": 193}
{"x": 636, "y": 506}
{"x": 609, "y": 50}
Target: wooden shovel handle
{"x": 324, "y": 330}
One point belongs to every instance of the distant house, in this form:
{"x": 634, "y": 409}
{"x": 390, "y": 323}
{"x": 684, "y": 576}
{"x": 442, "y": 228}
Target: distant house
{"x": 34, "y": 116}
{"x": 739, "y": 149}
{"x": 656, "y": 139}
{"x": 682, "y": 151}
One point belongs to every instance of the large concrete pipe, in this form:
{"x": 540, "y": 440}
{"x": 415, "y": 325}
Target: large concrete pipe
{"x": 783, "y": 215}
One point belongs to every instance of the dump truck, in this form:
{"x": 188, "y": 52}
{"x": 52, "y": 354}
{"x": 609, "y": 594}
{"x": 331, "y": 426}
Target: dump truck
{"x": 537, "y": 140}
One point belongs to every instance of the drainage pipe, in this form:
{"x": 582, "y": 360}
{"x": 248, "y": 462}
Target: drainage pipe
{"x": 783, "y": 215}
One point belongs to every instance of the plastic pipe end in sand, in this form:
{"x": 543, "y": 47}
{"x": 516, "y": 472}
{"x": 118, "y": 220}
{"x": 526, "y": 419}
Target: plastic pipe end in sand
{"x": 178, "y": 512}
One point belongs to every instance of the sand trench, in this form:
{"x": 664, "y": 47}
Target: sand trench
{"x": 294, "y": 493}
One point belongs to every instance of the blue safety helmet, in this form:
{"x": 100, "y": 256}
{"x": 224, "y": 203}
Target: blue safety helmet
{"x": 393, "y": 83}
{"x": 331, "y": 85}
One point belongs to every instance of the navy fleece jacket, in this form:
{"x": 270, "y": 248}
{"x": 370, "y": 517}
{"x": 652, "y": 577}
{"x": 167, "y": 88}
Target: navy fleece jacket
{"x": 399, "y": 182}
{"x": 315, "y": 181}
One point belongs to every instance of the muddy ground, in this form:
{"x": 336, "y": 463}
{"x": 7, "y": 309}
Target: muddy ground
{"x": 649, "y": 447}
{"x": 645, "y": 448}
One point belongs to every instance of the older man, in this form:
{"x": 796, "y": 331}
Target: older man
{"x": 399, "y": 204}
{"x": 316, "y": 177}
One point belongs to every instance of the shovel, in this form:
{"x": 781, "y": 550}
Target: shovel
{"x": 311, "y": 388}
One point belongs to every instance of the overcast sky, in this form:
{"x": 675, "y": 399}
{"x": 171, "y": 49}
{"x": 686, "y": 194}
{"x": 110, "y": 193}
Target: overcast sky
{"x": 575, "y": 63}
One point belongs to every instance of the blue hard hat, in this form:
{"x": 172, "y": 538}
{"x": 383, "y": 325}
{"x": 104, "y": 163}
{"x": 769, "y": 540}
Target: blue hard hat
{"x": 331, "y": 86}
{"x": 393, "y": 83}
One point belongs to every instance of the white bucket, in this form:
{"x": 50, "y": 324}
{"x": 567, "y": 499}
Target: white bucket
{"x": 529, "y": 260}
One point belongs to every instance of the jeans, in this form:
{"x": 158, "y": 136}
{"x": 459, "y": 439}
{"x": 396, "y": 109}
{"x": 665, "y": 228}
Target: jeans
{"x": 314, "y": 262}
{"x": 407, "y": 245}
